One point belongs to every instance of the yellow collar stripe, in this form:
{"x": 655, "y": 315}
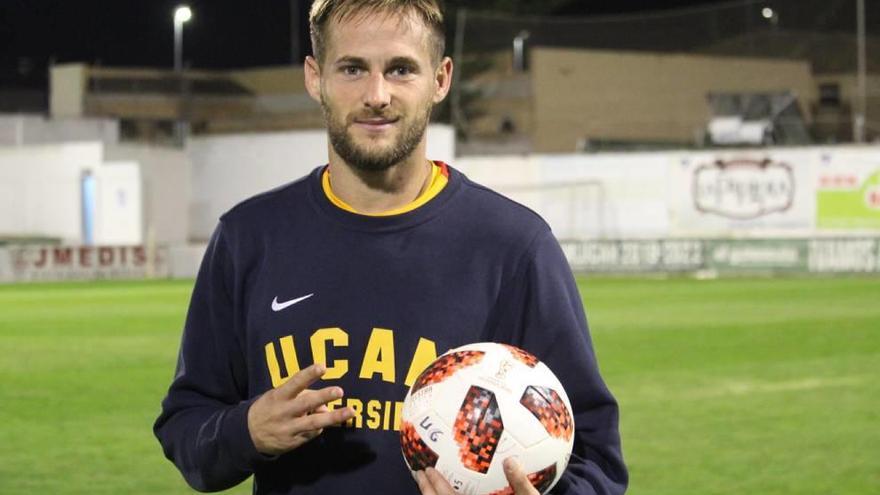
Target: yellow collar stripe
{"x": 439, "y": 179}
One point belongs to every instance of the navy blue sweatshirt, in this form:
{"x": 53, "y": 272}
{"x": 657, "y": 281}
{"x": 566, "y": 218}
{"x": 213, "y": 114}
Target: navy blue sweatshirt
{"x": 385, "y": 296}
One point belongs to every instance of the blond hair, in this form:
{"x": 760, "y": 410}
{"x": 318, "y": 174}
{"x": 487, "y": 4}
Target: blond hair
{"x": 430, "y": 12}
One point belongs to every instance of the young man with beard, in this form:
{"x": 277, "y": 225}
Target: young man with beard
{"x": 366, "y": 270}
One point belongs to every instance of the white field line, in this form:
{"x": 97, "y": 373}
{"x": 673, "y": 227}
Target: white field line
{"x": 746, "y": 387}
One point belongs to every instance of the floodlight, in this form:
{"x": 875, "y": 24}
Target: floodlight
{"x": 182, "y": 14}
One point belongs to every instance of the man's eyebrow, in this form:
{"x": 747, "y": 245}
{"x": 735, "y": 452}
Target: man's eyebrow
{"x": 350, "y": 60}
{"x": 362, "y": 62}
{"x": 407, "y": 61}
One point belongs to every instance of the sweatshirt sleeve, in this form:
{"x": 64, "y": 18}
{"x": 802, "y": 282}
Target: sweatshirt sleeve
{"x": 541, "y": 311}
{"x": 203, "y": 424}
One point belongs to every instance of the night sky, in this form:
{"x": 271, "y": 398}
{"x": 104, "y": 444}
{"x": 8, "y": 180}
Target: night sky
{"x": 223, "y": 33}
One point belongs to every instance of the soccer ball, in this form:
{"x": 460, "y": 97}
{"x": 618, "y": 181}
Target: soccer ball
{"x": 479, "y": 404}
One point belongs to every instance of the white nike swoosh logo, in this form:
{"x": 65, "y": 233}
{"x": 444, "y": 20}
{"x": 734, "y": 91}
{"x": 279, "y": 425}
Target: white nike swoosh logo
{"x": 277, "y": 306}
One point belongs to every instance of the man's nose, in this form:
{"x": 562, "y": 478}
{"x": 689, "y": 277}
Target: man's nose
{"x": 377, "y": 95}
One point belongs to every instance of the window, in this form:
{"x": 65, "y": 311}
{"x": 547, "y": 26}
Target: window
{"x": 829, "y": 94}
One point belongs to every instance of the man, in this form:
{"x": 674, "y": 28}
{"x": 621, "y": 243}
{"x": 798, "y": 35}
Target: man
{"x": 366, "y": 270}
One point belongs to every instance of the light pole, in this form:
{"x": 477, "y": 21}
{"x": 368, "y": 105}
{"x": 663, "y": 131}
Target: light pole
{"x": 295, "y": 50}
{"x": 859, "y": 120}
{"x": 458, "y": 117}
{"x": 519, "y": 52}
{"x": 182, "y": 15}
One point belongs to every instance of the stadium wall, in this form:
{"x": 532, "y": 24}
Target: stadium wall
{"x": 141, "y": 194}
{"x": 228, "y": 169}
{"x": 165, "y": 178}
{"x": 811, "y": 209}
{"x": 760, "y": 193}
{"x": 584, "y": 196}
{"x": 40, "y": 189}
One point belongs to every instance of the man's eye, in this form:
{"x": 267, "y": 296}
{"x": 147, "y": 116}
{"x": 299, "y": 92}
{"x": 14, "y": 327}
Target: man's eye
{"x": 351, "y": 70}
{"x": 401, "y": 71}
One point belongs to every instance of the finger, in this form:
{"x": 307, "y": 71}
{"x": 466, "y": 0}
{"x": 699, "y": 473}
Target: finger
{"x": 438, "y": 482}
{"x": 424, "y": 485}
{"x": 301, "y": 380}
{"x": 312, "y": 434}
{"x": 319, "y": 421}
{"x": 309, "y": 400}
{"x": 518, "y": 478}
{"x": 304, "y": 437}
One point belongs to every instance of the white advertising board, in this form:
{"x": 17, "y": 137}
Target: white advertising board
{"x": 743, "y": 193}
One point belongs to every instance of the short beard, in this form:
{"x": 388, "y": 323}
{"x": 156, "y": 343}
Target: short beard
{"x": 375, "y": 161}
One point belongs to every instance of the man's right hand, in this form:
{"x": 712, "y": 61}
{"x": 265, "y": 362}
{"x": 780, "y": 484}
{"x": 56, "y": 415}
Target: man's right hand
{"x": 284, "y": 418}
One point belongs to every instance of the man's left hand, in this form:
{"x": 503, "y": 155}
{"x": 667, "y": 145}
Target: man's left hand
{"x": 431, "y": 482}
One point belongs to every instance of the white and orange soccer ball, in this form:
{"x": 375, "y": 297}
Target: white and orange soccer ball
{"x": 479, "y": 404}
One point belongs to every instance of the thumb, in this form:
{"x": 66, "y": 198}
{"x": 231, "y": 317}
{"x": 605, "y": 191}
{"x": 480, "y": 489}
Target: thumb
{"x": 517, "y": 477}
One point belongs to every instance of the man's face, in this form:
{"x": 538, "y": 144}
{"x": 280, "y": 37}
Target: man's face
{"x": 377, "y": 86}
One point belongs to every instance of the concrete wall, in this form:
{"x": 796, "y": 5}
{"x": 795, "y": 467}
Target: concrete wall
{"x": 848, "y": 84}
{"x": 620, "y": 96}
{"x": 67, "y": 89}
{"x": 229, "y": 169}
{"x": 271, "y": 80}
{"x": 743, "y": 193}
{"x": 40, "y": 189}
{"x": 165, "y": 175}
{"x": 584, "y": 196}
{"x": 119, "y": 204}
{"x": 19, "y": 130}
{"x": 673, "y": 197}
{"x": 503, "y": 94}
{"x": 163, "y": 107}
{"x": 41, "y": 195}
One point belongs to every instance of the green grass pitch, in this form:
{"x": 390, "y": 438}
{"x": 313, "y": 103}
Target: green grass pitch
{"x": 759, "y": 386}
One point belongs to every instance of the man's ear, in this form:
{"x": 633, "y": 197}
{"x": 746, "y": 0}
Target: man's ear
{"x": 312, "y": 71}
{"x": 443, "y": 79}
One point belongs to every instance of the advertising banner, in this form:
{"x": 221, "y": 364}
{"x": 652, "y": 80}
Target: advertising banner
{"x": 848, "y": 191}
{"x": 52, "y": 263}
{"x": 844, "y": 255}
{"x": 634, "y": 255}
{"x": 828, "y": 256}
{"x": 731, "y": 193}
{"x": 777, "y": 255}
